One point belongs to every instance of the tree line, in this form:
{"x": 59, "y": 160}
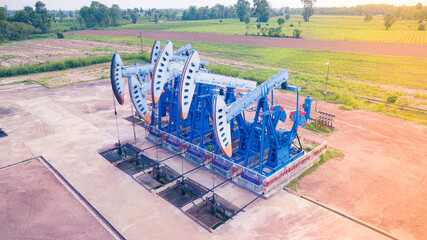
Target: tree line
{"x": 400, "y": 12}
{"x": 24, "y": 22}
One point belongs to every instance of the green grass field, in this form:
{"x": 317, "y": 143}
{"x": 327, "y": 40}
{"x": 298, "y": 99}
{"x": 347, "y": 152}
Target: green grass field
{"x": 401, "y": 71}
{"x": 343, "y": 28}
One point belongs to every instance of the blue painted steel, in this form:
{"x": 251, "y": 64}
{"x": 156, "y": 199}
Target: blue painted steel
{"x": 262, "y": 147}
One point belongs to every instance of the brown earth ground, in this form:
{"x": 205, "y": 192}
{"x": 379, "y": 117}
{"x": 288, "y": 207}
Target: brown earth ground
{"x": 325, "y": 45}
{"x": 70, "y": 125}
{"x": 382, "y": 179}
{"x": 36, "y": 51}
{"x": 35, "y": 205}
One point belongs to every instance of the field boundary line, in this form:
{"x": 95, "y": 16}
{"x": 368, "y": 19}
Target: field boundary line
{"x": 82, "y": 200}
{"x": 358, "y": 221}
{"x": 365, "y": 98}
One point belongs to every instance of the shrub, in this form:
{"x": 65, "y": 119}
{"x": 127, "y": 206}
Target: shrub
{"x": 422, "y": 27}
{"x": 60, "y": 35}
{"x": 292, "y": 25}
{"x": 345, "y": 107}
{"x": 420, "y": 95}
{"x": 258, "y": 25}
{"x": 392, "y": 98}
{"x": 296, "y": 33}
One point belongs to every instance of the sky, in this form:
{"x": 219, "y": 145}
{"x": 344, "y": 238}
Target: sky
{"x": 77, "y": 4}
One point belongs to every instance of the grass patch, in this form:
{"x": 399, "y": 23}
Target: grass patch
{"x": 348, "y": 102}
{"x": 329, "y": 154}
{"x": 96, "y": 49}
{"x": 42, "y": 36}
{"x": 7, "y": 57}
{"x": 316, "y": 129}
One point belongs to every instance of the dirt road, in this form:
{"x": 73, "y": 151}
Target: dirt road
{"x": 324, "y": 45}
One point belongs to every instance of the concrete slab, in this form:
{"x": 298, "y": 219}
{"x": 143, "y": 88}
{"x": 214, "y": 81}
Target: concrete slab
{"x": 81, "y": 123}
{"x": 35, "y": 205}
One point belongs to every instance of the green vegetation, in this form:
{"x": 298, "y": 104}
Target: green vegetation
{"x": 317, "y": 129}
{"x": 411, "y": 71}
{"x": 308, "y": 9}
{"x": 389, "y": 20}
{"x": 24, "y": 22}
{"x": 99, "y": 16}
{"x": 340, "y": 28}
{"x": 313, "y": 85}
{"x": 329, "y": 154}
{"x": 64, "y": 64}
{"x": 243, "y": 10}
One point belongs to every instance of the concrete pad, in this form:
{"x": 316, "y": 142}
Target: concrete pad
{"x": 35, "y": 205}
{"x": 81, "y": 123}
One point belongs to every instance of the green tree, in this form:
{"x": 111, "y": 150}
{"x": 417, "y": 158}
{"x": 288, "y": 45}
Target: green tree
{"x": 173, "y": 16}
{"x": 115, "y": 15}
{"x": 242, "y": 9}
{"x": 21, "y": 16}
{"x": 389, "y": 20}
{"x": 156, "y": 17}
{"x": 45, "y": 21}
{"x": 61, "y": 15}
{"x": 3, "y": 14}
{"x": 134, "y": 17}
{"x": 368, "y": 17}
{"x": 95, "y": 16}
{"x": 18, "y": 30}
{"x": 296, "y": 33}
{"x": 287, "y": 17}
{"x": 280, "y": 21}
{"x": 261, "y": 10}
{"x": 247, "y": 21}
{"x": 308, "y": 9}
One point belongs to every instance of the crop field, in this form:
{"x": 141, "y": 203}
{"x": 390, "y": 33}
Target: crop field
{"x": 320, "y": 27}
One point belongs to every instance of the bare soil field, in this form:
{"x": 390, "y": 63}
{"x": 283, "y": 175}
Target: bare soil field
{"x": 69, "y": 125}
{"x": 338, "y": 46}
{"x": 65, "y": 77}
{"x": 36, "y": 51}
{"x": 35, "y": 205}
{"x": 382, "y": 179}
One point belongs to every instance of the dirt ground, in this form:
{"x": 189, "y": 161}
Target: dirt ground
{"x": 65, "y": 77}
{"x": 382, "y": 179}
{"x": 69, "y": 125}
{"x": 325, "y": 45}
{"x": 35, "y": 205}
{"x": 36, "y": 51}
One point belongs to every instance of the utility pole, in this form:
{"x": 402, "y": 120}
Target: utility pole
{"x": 140, "y": 37}
{"x": 326, "y": 84}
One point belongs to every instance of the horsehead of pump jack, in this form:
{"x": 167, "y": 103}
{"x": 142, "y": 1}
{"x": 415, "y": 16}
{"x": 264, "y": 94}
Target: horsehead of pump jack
{"x": 192, "y": 75}
{"x": 138, "y": 89}
{"x": 223, "y": 114}
{"x": 118, "y": 71}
